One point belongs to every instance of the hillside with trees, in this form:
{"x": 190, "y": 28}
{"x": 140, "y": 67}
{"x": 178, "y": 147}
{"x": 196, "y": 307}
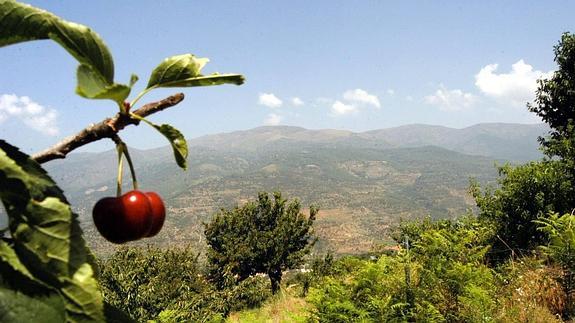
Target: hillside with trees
{"x": 504, "y": 254}
{"x": 362, "y": 190}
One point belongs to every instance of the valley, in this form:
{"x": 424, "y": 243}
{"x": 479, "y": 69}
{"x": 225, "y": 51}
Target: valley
{"x": 364, "y": 183}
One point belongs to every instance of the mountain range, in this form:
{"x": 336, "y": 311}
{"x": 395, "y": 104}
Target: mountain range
{"x": 364, "y": 183}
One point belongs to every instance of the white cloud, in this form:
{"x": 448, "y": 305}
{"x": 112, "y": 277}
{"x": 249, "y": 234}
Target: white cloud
{"x": 272, "y": 120}
{"x": 269, "y": 100}
{"x": 339, "y": 108}
{"x": 409, "y": 98}
{"x": 391, "y": 92}
{"x": 362, "y": 97}
{"x": 516, "y": 87}
{"x": 450, "y": 100}
{"x": 297, "y": 102}
{"x": 31, "y": 113}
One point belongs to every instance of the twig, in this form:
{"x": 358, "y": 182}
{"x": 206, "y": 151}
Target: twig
{"x": 104, "y": 129}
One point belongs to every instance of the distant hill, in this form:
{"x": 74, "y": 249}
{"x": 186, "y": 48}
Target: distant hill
{"x": 364, "y": 183}
{"x": 513, "y": 142}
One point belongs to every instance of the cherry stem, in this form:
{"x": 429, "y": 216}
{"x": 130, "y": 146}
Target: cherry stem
{"x": 140, "y": 95}
{"x": 132, "y": 171}
{"x": 120, "y": 170}
{"x": 122, "y": 149}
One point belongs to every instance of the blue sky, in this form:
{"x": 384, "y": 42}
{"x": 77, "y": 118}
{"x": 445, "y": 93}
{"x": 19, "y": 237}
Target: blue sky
{"x": 355, "y": 65}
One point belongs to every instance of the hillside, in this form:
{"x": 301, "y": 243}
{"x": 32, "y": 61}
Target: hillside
{"x": 363, "y": 183}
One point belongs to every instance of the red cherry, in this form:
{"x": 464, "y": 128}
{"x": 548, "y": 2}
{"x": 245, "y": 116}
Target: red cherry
{"x": 124, "y": 218}
{"x": 158, "y": 213}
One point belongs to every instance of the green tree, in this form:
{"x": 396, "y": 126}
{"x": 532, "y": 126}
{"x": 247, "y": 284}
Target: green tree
{"x": 168, "y": 285}
{"x": 267, "y": 236}
{"x": 555, "y": 104}
{"x": 525, "y": 193}
{"x": 533, "y": 190}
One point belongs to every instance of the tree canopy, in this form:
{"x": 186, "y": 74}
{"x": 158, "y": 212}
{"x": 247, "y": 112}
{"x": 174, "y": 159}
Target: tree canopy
{"x": 266, "y": 237}
{"x": 555, "y": 103}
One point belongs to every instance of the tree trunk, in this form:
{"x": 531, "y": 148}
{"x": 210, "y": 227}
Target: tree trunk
{"x": 275, "y": 275}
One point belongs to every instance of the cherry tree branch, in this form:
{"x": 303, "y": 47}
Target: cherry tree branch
{"x": 107, "y": 128}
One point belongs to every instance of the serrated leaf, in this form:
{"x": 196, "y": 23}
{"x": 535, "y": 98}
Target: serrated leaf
{"x": 46, "y": 235}
{"x": 178, "y": 142}
{"x": 185, "y": 71}
{"x": 92, "y": 85}
{"x": 20, "y": 22}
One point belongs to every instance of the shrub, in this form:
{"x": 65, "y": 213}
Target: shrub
{"x": 143, "y": 282}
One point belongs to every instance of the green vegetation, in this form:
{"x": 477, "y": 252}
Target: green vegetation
{"x": 169, "y": 285}
{"x": 361, "y": 192}
{"x": 535, "y": 190}
{"x": 266, "y": 237}
{"x": 283, "y": 307}
{"x": 525, "y": 193}
{"x": 441, "y": 277}
{"x": 561, "y": 248}
{"x": 47, "y": 273}
{"x": 514, "y": 262}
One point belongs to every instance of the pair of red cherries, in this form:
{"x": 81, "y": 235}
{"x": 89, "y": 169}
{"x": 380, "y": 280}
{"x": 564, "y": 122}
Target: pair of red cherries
{"x": 129, "y": 217}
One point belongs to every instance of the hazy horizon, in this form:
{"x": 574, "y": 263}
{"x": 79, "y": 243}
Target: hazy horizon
{"x": 96, "y": 149}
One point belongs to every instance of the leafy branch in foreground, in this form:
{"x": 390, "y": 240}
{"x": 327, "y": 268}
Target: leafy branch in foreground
{"x": 95, "y": 74}
{"x": 47, "y": 260}
{"x": 47, "y": 273}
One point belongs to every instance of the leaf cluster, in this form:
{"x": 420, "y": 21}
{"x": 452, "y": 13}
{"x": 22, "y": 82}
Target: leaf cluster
{"x": 45, "y": 264}
{"x": 525, "y": 193}
{"x": 555, "y": 99}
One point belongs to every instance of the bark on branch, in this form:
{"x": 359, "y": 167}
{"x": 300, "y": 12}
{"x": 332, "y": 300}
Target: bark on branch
{"x": 106, "y": 128}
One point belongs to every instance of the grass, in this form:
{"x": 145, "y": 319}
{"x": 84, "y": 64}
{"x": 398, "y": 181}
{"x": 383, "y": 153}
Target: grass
{"x": 283, "y": 307}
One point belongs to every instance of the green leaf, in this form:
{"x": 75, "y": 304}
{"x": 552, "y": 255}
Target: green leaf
{"x": 178, "y": 142}
{"x": 208, "y": 80}
{"x": 133, "y": 79}
{"x": 46, "y": 235}
{"x": 92, "y": 85}
{"x": 20, "y": 307}
{"x": 24, "y": 298}
{"x": 184, "y": 71}
{"x": 21, "y": 22}
{"x": 9, "y": 256}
